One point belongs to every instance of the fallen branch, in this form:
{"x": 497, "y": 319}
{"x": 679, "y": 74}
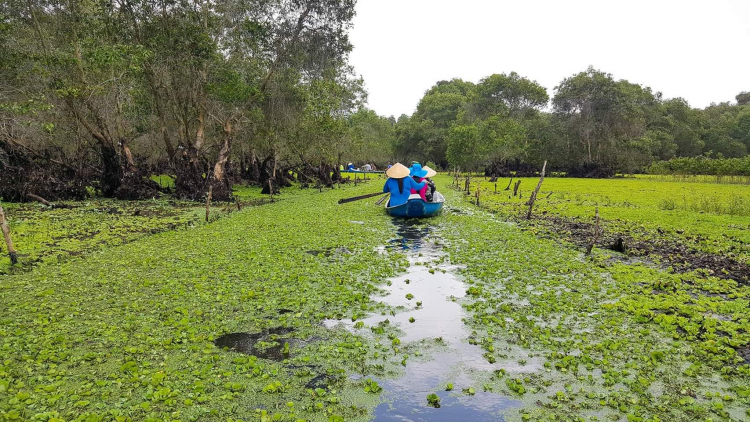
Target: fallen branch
{"x": 47, "y": 203}
{"x": 509, "y": 183}
{"x": 40, "y": 199}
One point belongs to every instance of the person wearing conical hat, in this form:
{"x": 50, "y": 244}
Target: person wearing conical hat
{"x": 430, "y": 192}
{"x": 399, "y": 184}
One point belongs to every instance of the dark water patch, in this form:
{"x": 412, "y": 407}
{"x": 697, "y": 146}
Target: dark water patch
{"x": 330, "y": 252}
{"x": 744, "y": 353}
{"x": 321, "y": 381}
{"x": 284, "y": 311}
{"x": 267, "y": 344}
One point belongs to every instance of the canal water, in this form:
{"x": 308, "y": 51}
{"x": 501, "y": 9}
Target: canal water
{"x": 433, "y": 281}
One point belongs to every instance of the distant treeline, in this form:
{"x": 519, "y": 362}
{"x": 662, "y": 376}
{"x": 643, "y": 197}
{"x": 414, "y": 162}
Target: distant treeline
{"x": 597, "y": 126}
{"x": 702, "y": 166}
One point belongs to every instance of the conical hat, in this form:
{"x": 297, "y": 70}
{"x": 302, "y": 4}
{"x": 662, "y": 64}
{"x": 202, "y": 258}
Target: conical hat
{"x": 430, "y": 172}
{"x": 397, "y": 171}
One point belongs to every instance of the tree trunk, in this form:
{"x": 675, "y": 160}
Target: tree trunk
{"x": 112, "y": 171}
{"x": 222, "y": 190}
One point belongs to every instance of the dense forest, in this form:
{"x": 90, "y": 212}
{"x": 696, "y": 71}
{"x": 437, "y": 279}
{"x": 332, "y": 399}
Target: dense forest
{"x": 593, "y": 126}
{"x": 100, "y": 95}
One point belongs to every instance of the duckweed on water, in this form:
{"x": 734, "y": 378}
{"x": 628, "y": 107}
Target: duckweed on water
{"x": 128, "y": 333}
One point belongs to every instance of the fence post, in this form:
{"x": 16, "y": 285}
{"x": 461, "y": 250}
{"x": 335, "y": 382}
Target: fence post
{"x": 536, "y": 191}
{"x": 8, "y": 241}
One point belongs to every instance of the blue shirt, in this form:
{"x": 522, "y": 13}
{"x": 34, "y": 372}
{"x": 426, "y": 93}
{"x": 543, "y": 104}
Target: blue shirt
{"x": 398, "y": 198}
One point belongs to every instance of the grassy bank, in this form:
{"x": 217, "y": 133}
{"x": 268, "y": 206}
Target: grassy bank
{"x": 714, "y": 218}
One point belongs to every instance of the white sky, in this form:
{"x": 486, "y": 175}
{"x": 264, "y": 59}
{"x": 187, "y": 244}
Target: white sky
{"x": 698, "y": 50}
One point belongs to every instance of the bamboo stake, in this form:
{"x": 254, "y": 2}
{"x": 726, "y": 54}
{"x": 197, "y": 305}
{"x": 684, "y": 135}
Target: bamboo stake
{"x": 8, "y": 241}
{"x": 208, "y": 200}
{"x": 596, "y": 234}
{"x": 536, "y": 191}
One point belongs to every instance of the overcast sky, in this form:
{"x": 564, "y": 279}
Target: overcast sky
{"x": 698, "y": 50}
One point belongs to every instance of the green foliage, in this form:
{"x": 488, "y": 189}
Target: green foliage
{"x": 433, "y": 400}
{"x": 372, "y": 386}
{"x": 703, "y": 166}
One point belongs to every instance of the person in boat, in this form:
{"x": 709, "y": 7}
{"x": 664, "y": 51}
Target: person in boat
{"x": 350, "y": 167}
{"x": 400, "y": 185}
{"x": 367, "y": 167}
{"x": 418, "y": 174}
{"x": 430, "y": 192}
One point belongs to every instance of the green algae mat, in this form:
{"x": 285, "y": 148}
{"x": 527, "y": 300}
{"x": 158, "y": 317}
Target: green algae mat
{"x": 307, "y": 310}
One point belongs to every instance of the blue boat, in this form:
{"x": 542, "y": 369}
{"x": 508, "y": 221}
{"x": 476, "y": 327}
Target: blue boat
{"x": 416, "y": 208}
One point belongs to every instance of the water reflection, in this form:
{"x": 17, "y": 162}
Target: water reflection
{"x": 410, "y": 234}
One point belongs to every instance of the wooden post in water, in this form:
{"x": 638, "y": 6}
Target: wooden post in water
{"x": 596, "y": 234}
{"x": 536, "y": 191}
{"x": 8, "y": 241}
{"x": 208, "y": 200}
{"x": 478, "y": 192}
{"x": 515, "y": 188}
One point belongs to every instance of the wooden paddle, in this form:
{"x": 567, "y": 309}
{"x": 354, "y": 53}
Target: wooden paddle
{"x": 357, "y": 198}
{"x": 380, "y": 201}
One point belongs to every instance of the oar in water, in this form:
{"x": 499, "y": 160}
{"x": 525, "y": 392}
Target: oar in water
{"x": 357, "y": 198}
{"x": 380, "y": 201}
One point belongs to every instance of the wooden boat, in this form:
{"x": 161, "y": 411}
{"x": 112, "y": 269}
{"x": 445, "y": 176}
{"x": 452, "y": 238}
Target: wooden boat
{"x": 416, "y": 208}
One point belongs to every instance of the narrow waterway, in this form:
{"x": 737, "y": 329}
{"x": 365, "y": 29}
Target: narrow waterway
{"x": 433, "y": 312}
